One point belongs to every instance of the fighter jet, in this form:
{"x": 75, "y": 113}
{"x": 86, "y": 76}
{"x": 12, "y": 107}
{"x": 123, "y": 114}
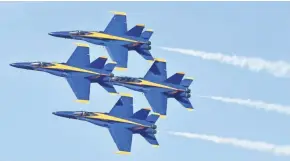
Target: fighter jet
{"x": 78, "y": 71}
{"x": 121, "y": 122}
{"x": 116, "y": 39}
{"x": 157, "y": 87}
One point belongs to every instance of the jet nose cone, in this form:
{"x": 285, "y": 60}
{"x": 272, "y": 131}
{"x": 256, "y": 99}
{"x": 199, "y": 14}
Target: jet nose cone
{"x": 54, "y": 113}
{"x": 13, "y": 64}
{"x": 61, "y": 34}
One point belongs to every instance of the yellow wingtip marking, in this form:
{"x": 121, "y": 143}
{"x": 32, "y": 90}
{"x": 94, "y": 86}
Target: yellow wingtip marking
{"x": 126, "y": 94}
{"x": 121, "y": 68}
{"x": 113, "y": 93}
{"x": 181, "y": 73}
{"x": 149, "y": 30}
{"x": 160, "y": 60}
{"x": 82, "y": 44}
{"x": 113, "y": 62}
{"x": 123, "y": 152}
{"x": 104, "y": 57}
{"x": 162, "y": 116}
{"x": 148, "y": 108}
{"x": 189, "y": 78}
{"x": 141, "y": 25}
{"x": 118, "y": 13}
{"x": 155, "y": 146}
{"x": 190, "y": 109}
{"x": 82, "y": 101}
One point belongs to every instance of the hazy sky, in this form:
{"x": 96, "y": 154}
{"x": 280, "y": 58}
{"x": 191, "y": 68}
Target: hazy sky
{"x": 29, "y": 131}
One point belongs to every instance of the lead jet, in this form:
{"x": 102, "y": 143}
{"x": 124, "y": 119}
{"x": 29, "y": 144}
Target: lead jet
{"x": 116, "y": 39}
{"x": 121, "y": 122}
{"x": 78, "y": 71}
{"x": 157, "y": 87}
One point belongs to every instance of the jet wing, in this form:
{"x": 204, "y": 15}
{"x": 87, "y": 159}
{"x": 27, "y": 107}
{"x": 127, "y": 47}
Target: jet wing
{"x": 80, "y": 57}
{"x": 81, "y": 88}
{"x": 108, "y": 87}
{"x": 157, "y": 100}
{"x": 119, "y": 54}
{"x": 122, "y": 138}
{"x": 117, "y": 25}
{"x": 124, "y": 107}
{"x": 157, "y": 71}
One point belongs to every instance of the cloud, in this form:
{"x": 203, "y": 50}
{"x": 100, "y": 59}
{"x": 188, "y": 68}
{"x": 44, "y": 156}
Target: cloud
{"x": 246, "y": 144}
{"x": 276, "y": 68}
{"x": 252, "y": 103}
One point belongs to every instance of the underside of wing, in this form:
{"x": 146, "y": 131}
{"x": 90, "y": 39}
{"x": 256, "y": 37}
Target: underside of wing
{"x": 118, "y": 54}
{"x": 80, "y": 87}
{"x": 122, "y": 138}
{"x": 158, "y": 101}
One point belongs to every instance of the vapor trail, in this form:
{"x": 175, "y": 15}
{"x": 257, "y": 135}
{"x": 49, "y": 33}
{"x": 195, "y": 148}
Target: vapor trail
{"x": 276, "y": 68}
{"x": 246, "y": 144}
{"x": 253, "y": 103}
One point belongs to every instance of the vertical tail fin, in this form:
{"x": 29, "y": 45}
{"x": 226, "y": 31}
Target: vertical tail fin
{"x": 141, "y": 114}
{"x": 176, "y": 78}
{"x": 136, "y": 30}
{"x": 110, "y": 66}
{"x": 186, "y": 82}
{"x": 147, "y": 34}
{"x": 153, "y": 118}
{"x": 99, "y": 63}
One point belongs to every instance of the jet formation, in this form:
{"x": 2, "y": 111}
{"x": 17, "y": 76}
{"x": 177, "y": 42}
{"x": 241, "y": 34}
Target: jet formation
{"x": 80, "y": 72}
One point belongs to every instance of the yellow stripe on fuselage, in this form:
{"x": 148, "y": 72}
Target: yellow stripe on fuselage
{"x": 107, "y": 36}
{"x": 70, "y": 68}
{"x": 152, "y": 84}
{"x": 106, "y": 117}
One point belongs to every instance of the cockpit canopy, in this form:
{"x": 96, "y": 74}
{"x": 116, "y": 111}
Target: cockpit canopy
{"x": 83, "y": 113}
{"x": 78, "y": 33}
{"x": 40, "y": 64}
{"x": 125, "y": 79}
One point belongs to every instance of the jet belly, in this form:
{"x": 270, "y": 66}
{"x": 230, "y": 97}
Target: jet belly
{"x": 130, "y": 86}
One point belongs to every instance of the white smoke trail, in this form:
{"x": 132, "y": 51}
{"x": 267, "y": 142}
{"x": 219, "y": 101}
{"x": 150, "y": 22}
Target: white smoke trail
{"x": 255, "y": 104}
{"x": 276, "y": 68}
{"x": 246, "y": 144}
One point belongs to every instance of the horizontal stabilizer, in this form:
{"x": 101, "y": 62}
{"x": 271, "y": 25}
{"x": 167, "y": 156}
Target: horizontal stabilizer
{"x": 110, "y": 66}
{"x": 145, "y": 54}
{"x": 123, "y": 108}
{"x": 99, "y": 63}
{"x": 136, "y": 30}
{"x": 147, "y": 34}
{"x": 176, "y": 78}
{"x": 141, "y": 114}
{"x": 185, "y": 102}
{"x": 150, "y": 138}
{"x": 186, "y": 82}
{"x": 153, "y": 118}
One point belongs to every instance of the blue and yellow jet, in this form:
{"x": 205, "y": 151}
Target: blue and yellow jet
{"x": 78, "y": 71}
{"x": 157, "y": 87}
{"x": 117, "y": 40}
{"x": 121, "y": 122}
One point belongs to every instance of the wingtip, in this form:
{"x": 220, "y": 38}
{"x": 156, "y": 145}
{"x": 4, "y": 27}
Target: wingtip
{"x": 161, "y": 116}
{"x": 121, "y": 69}
{"x": 150, "y": 30}
{"x": 103, "y": 57}
{"x": 118, "y": 13}
{"x": 182, "y": 73}
{"x": 123, "y": 152}
{"x": 147, "y": 108}
{"x": 140, "y": 25}
{"x": 113, "y": 93}
{"x": 190, "y": 109}
{"x": 83, "y": 101}
{"x": 155, "y": 146}
{"x": 191, "y": 78}
{"x": 126, "y": 94}
{"x": 82, "y": 44}
{"x": 160, "y": 60}
{"x": 113, "y": 62}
